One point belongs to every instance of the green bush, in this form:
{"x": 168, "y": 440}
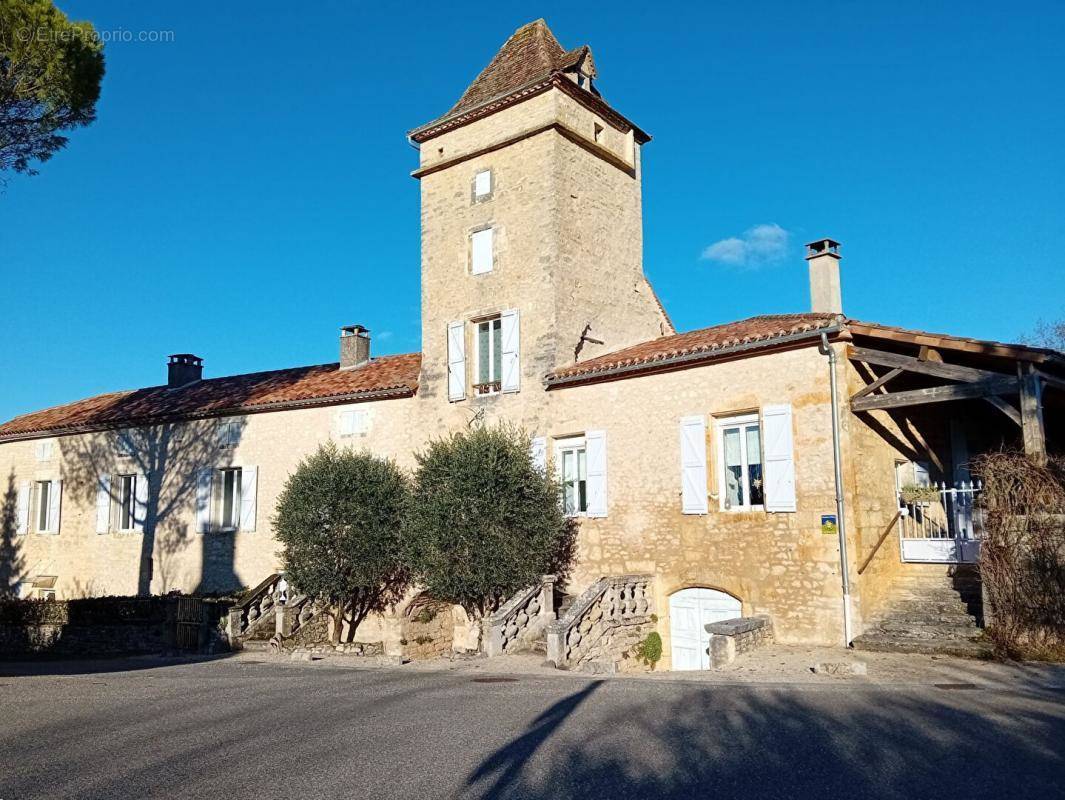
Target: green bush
{"x": 340, "y": 520}
{"x": 484, "y": 521}
{"x": 649, "y": 651}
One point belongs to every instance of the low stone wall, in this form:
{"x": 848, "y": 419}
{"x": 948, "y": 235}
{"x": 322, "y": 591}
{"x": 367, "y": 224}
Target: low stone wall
{"x": 613, "y": 651}
{"x": 733, "y": 637}
{"x": 91, "y": 627}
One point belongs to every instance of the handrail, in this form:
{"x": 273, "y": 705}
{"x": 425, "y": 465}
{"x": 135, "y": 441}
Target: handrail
{"x": 522, "y": 617}
{"x": 606, "y": 604}
{"x": 880, "y": 541}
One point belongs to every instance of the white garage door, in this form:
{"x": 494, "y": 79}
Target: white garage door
{"x": 689, "y": 611}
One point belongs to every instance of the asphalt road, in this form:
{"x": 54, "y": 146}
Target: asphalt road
{"x": 235, "y": 729}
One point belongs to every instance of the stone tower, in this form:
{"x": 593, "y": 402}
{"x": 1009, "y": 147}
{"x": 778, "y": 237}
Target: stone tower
{"x": 530, "y": 209}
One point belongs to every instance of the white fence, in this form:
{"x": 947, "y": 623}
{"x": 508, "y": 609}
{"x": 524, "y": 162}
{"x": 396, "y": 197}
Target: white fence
{"x": 940, "y": 523}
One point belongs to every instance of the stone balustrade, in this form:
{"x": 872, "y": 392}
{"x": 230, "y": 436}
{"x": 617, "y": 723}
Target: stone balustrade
{"x": 273, "y": 597}
{"x": 521, "y": 618}
{"x": 587, "y": 631}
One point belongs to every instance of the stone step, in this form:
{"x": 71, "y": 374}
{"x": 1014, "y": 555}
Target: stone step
{"x": 932, "y": 596}
{"x": 927, "y": 617}
{"x": 255, "y": 645}
{"x": 919, "y": 605}
{"x": 886, "y": 643}
{"x": 926, "y": 631}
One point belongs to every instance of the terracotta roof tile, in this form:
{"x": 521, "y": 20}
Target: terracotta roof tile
{"x": 389, "y": 376}
{"x": 763, "y": 328}
{"x": 532, "y": 52}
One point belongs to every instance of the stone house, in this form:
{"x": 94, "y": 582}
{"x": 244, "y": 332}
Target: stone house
{"x": 704, "y": 460}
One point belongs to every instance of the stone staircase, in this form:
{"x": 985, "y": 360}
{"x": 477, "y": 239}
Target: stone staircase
{"x": 937, "y": 611}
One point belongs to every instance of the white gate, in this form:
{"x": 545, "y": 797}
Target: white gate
{"x": 690, "y": 610}
{"x": 940, "y": 524}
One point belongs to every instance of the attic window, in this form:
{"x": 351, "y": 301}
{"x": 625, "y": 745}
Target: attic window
{"x": 584, "y": 80}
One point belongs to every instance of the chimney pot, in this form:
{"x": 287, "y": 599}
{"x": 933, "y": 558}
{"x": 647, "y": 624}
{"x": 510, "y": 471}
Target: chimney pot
{"x": 354, "y": 346}
{"x": 825, "y": 293}
{"x": 183, "y": 369}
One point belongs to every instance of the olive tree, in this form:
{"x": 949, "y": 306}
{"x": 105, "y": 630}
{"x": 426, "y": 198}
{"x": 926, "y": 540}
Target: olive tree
{"x": 340, "y": 521}
{"x": 484, "y": 521}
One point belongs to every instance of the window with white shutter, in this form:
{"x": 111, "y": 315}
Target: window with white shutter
{"x": 779, "y": 458}
{"x": 353, "y": 422}
{"x": 45, "y": 448}
{"x": 693, "y": 465}
{"x": 481, "y": 251}
{"x": 229, "y": 434}
{"x": 48, "y": 500}
{"x": 595, "y": 444}
{"x": 140, "y": 506}
{"x": 456, "y": 361}
{"x": 204, "y": 486}
{"x": 511, "y": 345}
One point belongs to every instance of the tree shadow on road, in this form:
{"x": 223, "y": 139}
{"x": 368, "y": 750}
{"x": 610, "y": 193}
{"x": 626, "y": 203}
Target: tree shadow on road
{"x": 761, "y": 743}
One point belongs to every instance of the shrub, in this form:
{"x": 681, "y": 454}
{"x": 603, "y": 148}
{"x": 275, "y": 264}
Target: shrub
{"x": 485, "y": 522}
{"x": 649, "y": 651}
{"x": 340, "y": 521}
{"x": 1022, "y": 557}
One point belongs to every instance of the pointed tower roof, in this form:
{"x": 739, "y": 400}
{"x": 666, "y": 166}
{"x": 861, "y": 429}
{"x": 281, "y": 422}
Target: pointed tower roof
{"x": 529, "y": 62}
{"x": 531, "y": 53}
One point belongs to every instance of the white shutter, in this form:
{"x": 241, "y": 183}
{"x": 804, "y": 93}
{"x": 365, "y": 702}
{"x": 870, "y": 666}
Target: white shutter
{"x": 203, "y": 499}
{"x": 55, "y": 505}
{"x": 44, "y": 450}
{"x": 693, "y": 465}
{"x": 103, "y": 505}
{"x": 779, "y": 464}
{"x": 140, "y": 507}
{"x": 538, "y": 453}
{"x": 482, "y": 252}
{"x": 347, "y": 423}
{"x": 248, "y": 485}
{"x": 456, "y": 361}
{"x": 595, "y": 452}
{"x": 482, "y": 183}
{"x": 23, "y": 507}
{"x": 510, "y": 335}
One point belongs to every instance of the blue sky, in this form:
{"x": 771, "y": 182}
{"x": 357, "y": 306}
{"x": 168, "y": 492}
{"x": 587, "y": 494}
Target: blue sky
{"x": 245, "y": 190}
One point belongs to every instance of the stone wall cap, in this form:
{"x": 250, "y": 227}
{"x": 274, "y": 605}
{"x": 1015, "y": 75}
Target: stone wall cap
{"x": 734, "y": 627}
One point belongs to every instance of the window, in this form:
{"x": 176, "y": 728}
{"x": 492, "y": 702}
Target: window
{"x": 481, "y": 260}
{"x": 228, "y": 434}
{"x": 584, "y": 80}
{"x": 46, "y": 506}
{"x": 44, "y": 450}
{"x": 740, "y": 463}
{"x": 124, "y": 445}
{"x": 228, "y": 498}
{"x": 489, "y": 355}
{"x": 126, "y": 499}
{"x": 572, "y": 456}
{"x": 598, "y": 132}
{"x": 482, "y": 185}
{"x": 354, "y": 422}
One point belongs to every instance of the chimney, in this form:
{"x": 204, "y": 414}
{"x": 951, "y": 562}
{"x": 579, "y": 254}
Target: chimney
{"x": 354, "y": 346}
{"x": 825, "y": 295}
{"x": 183, "y": 369}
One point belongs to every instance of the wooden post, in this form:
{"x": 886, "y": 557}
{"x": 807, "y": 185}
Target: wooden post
{"x": 1032, "y": 428}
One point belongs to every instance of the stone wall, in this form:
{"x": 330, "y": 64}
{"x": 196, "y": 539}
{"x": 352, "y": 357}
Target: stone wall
{"x": 87, "y": 628}
{"x": 734, "y": 637}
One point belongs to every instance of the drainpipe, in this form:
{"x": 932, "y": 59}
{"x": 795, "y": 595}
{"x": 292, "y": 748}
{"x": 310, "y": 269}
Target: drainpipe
{"x": 841, "y": 520}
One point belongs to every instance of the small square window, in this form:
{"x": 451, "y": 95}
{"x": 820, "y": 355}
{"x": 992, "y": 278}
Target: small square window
{"x": 45, "y": 449}
{"x": 481, "y": 258}
{"x": 482, "y": 185}
{"x": 228, "y": 434}
{"x": 354, "y": 422}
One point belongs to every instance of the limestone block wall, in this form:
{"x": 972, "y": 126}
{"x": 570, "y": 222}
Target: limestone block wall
{"x": 776, "y": 564}
{"x": 170, "y": 553}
